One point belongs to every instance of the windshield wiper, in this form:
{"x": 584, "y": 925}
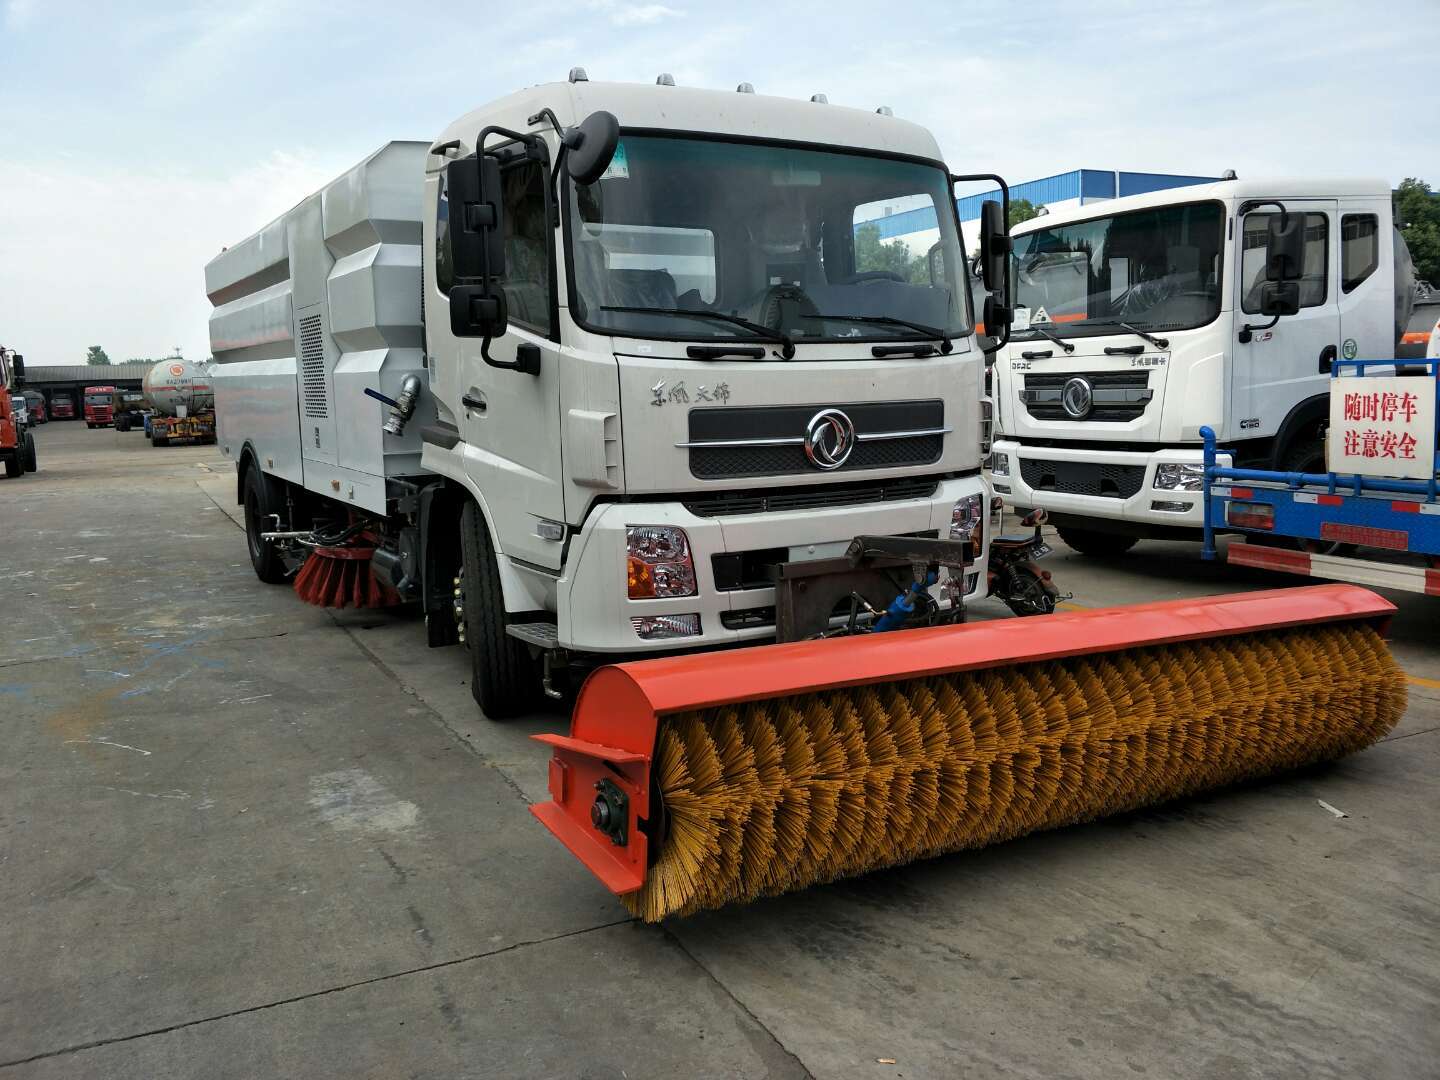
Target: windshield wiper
{"x": 764, "y": 333}
{"x": 890, "y": 320}
{"x": 1158, "y": 342}
{"x": 1056, "y": 338}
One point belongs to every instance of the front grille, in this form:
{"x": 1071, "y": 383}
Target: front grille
{"x": 790, "y": 422}
{"x": 729, "y": 503}
{"x": 1118, "y": 395}
{"x": 1083, "y": 477}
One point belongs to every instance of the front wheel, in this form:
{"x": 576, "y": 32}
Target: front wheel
{"x": 261, "y": 502}
{"x": 502, "y": 674}
{"x": 14, "y": 465}
{"x": 1099, "y": 545}
{"x": 32, "y": 463}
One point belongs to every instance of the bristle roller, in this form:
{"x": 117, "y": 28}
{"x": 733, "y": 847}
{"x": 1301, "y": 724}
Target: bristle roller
{"x": 777, "y": 795}
{"x": 338, "y": 582}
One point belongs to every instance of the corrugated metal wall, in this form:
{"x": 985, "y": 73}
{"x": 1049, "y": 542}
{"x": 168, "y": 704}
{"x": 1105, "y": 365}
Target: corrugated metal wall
{"x": 92, "y": 376}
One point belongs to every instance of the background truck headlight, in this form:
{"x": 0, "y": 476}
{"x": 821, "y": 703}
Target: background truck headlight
{"x": 658, "y": 562}
{"x": 1000, "y": 464}
{"x": 1180, "y": 477}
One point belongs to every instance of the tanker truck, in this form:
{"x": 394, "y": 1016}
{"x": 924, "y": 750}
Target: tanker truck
{"x": 182, "y": 401}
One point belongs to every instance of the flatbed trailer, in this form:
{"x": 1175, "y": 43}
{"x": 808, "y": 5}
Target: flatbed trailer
{"x": 1377, "y": 531}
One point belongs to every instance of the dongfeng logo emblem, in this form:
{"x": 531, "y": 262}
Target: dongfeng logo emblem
{"x": 1076, "y": 398}
{"x": 829, "y": 439}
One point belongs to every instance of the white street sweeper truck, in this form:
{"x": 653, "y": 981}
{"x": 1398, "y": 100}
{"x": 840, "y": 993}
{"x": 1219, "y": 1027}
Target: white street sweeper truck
{"x": 599, "y": 374}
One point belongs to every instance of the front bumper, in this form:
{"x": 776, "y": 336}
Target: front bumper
{"x": 594, "y": 613}
{"x": 1182, "y": 509}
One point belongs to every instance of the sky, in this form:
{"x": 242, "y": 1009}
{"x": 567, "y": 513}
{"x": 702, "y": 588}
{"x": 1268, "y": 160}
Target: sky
{"x": 138, "y": 139}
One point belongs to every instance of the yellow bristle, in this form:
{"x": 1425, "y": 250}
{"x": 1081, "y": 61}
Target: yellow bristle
{"x": 780, "y": 794}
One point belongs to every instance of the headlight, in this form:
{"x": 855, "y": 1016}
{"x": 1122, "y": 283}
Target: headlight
{"x": 1180, "y": 477}
{"x": 1000, "y": 464}
{"x": 658, "y": 562}
{"x": 965, "y": 519}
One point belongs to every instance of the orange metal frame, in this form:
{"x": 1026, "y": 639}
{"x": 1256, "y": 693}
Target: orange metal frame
{"x": 612, "y": 731}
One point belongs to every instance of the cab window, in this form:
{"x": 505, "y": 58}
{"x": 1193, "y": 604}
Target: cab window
{"x": 1359, "y": 249}
{"x": 527, "y": 252}
{"x": 1312, "y": 274}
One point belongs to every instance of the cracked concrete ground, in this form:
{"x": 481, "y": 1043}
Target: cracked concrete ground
{"x": 244, "y": 837}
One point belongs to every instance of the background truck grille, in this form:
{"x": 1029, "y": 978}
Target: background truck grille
{"x": 790, "y": 421}
{"x": 1041, "y": 396}
{"x": 1083, "y": 477}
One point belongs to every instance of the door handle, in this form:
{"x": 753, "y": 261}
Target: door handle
{"x": 474, "y": 401}
{"x": 1043, "y": 354}
{"x": 1124, "y": 350}
{"x": 1327, "y": 359}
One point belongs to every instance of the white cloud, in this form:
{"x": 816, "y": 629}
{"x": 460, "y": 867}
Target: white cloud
{"x": 641, "y": 14}
{"x": 116, "y": 257}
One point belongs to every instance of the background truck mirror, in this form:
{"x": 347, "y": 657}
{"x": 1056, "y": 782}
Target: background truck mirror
{"x": 1285, "y": 247}
{"x": 994, "y": 248}
{"x": 591, "y": 147}
{"x": 477, "y": 211}
{"x": 1279, "y": 298}
{"x": 18, "y": 366}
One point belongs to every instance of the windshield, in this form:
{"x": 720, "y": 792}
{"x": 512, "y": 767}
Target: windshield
{"x": 1154, "y": 269}
{"x": 97, "y": 399}
{"x": 793, "y": 242}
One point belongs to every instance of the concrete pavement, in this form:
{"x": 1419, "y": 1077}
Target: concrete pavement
{"x": 243, "y": 837}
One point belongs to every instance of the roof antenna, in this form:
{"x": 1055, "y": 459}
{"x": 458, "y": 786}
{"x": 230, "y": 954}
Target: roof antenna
{"x": 577, "y": 74}
{"x": 665, "y": 79}
{"x": 744, "y": 88}
{"x": 820, "y": 99}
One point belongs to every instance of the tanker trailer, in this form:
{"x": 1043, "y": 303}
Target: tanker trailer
{"x": 183, "y": 401}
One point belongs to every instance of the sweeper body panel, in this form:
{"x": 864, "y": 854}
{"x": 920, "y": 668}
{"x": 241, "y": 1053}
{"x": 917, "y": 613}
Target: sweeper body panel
{"x": 591, "y": 414}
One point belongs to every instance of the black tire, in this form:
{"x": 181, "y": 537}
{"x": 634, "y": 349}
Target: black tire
{"x": 32, "y": 463}
{"x": 159, "y": 440}
{"x": 14, "y": 466}
{"x": 503, "y": 680}
{"x": 1308, "y": 456}
{"x": 89, "y": 425}
{"x": 1098, "y": 545}
{"x": 261, "y": 500}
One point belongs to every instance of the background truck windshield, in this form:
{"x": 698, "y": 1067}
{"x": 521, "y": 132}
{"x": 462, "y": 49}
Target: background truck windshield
{"x": 1154, "y": 269}
{"x": 775, "y": 236}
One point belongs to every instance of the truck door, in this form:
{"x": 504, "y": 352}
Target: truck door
{"x": 1284, "y": 364}
{"x": 509, "y": 420}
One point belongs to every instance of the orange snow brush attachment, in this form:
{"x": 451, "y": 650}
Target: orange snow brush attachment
{"x": 705, "y": 779}
{"x": 340, "y": 577}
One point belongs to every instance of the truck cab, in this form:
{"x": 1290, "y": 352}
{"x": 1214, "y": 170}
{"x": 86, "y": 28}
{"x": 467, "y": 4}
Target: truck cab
{"x": 1140, "y": 320}
{"x": 99, "y": 406}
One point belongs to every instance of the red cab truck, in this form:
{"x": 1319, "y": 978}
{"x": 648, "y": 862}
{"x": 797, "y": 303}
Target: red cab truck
{"x": 99, "y": 406}
{"x": 62, "y": 405}
{"x": 17, "y": 446}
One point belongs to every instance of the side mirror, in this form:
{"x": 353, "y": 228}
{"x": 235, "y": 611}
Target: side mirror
{"x": 1285, "y": 247}
{"x": 1279, "y": 298}
{"x": 477, "y": 218}
{"x": 18, "y": 366}
{"x": 590, "y": 147}
{"x": 994, "y": 247}
{"x": 478, "y": 311}
{"x": 996, "y": 315}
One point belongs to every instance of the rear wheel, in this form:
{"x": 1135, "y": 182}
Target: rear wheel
{"x": 261, "y": 501}
{"x": 1099, "y": 545}
{"x": 14, "y": 466}
{"x": 32, "y": 463}
{"x": 1308, "y": 456}
{"x": 502, "y": 673}
{"x": 123, "y": 424}
{"x": 156, "y": 439}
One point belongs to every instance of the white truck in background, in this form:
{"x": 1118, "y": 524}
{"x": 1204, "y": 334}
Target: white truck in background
{"x": 1139, "y": 320}
{"x": 585, "y": 392}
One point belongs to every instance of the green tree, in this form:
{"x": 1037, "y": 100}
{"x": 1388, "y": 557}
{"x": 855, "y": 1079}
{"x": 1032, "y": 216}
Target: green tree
{"x": 1022, "y": 210}
{"x": 95, "y": 356}
{"x": 872, "y": 255}
{"x": 1417, "y": 211}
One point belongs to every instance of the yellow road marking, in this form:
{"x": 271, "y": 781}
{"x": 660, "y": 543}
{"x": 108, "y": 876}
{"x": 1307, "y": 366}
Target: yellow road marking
{"x": 1420, "y": 680}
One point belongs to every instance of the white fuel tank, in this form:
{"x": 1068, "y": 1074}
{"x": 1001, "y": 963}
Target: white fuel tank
{"x": 173, "y": 383}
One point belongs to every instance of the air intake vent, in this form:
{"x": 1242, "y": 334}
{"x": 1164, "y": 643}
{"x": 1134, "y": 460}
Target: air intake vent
{"x": 312, "y": 368}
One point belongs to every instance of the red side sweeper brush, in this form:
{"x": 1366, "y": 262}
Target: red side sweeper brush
{"x": 700, "y": 780}
{"x": 339, "y": 577}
